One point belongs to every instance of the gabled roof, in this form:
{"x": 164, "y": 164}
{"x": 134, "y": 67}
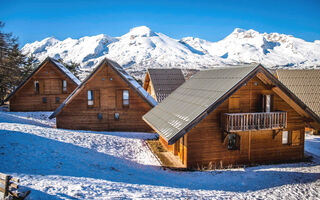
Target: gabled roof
{"x": 56, "y": 63}
{"x": 200, "y": 95}
{"x": 304, "y": 83}
{"x": 122, "y": 73}
{"x": 164, "y": 81}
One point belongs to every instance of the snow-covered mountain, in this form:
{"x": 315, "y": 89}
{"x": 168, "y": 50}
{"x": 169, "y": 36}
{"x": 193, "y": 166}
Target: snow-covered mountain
{"x": 142, "y": 48}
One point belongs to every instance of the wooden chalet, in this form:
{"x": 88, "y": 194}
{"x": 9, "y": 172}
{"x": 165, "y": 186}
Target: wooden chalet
{"x": 305, "y": 84}
{"x": 232, "y": 116}
{"x": 159, "y": 83}
{"x": 45, "y": 89}
{"x": 107, "y": 100}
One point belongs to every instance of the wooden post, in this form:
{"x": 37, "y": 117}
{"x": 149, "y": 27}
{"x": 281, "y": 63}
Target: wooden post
{"x": 6, "y": 186}
{"x": 249, "y": 149}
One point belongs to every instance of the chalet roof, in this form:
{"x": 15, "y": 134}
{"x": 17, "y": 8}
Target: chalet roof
{"x": 305, "y": 84}
{"x": 56, "y": 63}
{"x": 123, "y": 74}
{"x": 165, "y": 81}
{"x": 66, "y": 71}
{"x": 199, "y": 96}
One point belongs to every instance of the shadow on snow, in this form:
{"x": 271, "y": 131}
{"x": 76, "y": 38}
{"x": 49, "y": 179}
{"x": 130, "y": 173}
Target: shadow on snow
{"x": 34, "y": 155}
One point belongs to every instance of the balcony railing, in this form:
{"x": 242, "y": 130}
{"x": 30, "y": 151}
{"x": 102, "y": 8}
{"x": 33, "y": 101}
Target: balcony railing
{"x": 234, "y": 122}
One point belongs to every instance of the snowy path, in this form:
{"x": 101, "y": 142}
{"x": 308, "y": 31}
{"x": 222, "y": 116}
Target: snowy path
{"x": 68, "y": 164}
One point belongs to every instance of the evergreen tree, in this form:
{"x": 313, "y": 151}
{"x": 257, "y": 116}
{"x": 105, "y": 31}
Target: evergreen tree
{"x": 14, "y": 66}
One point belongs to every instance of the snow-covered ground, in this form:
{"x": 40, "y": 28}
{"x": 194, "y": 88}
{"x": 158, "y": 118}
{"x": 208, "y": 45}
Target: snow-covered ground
{"x": 68, "y": 164}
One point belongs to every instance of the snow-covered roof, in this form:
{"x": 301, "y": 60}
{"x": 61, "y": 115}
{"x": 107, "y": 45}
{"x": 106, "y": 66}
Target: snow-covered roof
{"x": 66, "y": 71}
{"x": 129, "y": 79}
{"x": 56, "y": 63}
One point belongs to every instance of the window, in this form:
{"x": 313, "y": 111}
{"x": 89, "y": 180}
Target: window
{"x": 125, "y": 97}
{"x": 57, "y": 99}
{"x": 64, "y": 86}
{"x": 285, "y": 137}
{"x": 90, "y": 98}
{"x": 267, "y": 103}
{"x": 233, "y": 142}
{"x": 44, "y": 99}
{"x": 116, "y": 116}
{"x": 36, "y": 87}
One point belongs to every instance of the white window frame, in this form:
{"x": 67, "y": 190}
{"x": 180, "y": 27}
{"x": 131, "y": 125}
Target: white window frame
{"x": 268, "y": 103}
{"x": 90, "y": 98}
{"x": 35, "y": 87}
{"x": 285, "y": 137}
{"x": 64, "y": 85}
{"x": 125, "y": 97}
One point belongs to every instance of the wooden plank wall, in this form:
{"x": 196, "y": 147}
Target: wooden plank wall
{"x": 77, "y": 114}
{"x": 204, "y": 142}
{"x": 50, "y": 81}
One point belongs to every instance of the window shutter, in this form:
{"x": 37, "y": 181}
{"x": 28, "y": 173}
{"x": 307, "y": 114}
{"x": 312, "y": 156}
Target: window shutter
{"x": 96, "y": 98}
{"x": 296, "y": 137}
{"x": 119, "y": 98}
{"x": 290, "y": 137}
{"x": 41, "y": 86}
{"x": 263, "y": 106}
{"x": 271, "y": 103}
{"x": 234, "y": 104}
{"x": 59, "y": 85}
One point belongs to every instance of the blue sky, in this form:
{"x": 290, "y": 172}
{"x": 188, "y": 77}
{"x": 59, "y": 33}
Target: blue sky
{"x": 211, "y": 20}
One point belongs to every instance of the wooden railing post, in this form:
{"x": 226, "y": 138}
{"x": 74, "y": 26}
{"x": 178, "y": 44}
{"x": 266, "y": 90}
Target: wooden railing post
{"x": 6, "y": 186}
{"x": 254, "y": 121}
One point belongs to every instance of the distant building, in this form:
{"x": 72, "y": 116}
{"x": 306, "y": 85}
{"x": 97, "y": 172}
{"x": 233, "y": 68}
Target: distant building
{"x": 305, "y": 84}
{"x": 232, "y": 116}
{"x": 159, "y": 83}
{"x": 107, "y": 100}
{"x": 45, "y": 89}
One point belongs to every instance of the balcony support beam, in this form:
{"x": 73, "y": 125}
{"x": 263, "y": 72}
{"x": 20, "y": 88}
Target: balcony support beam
{"x": 275, "y": 133}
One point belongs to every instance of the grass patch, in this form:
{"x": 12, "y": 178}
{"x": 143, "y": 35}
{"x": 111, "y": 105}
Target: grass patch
{"x": 157, "y": 148}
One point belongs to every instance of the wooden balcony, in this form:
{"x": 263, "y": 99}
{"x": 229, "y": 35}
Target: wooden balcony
{"x": 235, "y": 122}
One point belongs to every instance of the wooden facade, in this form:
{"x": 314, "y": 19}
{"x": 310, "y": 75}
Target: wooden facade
{"x": 44, "y": 90}
{"x": 109, "y": 109}
{"x": 148, "y": 86}
{"x": 206, "y": 144}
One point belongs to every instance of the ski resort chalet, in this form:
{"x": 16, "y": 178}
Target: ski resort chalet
{"x": 305, "y": 84}
{"x": 45, "y": 89}
{"x": 107, "y": 100}
{"x": 159, "y": 83}
{"x": 232, "y": 116}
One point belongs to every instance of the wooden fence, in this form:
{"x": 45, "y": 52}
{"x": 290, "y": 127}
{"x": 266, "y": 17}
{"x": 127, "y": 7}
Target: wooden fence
{"x": 9, "y": 187}
{"x": 234, "y": 122}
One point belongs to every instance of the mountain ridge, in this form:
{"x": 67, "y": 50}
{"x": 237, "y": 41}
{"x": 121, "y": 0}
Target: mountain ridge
{"x": 143, "y": 48}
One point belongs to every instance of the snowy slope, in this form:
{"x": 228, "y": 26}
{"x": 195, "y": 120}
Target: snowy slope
{"x": 141, "y": 48}
{"x": 68, "y": 164}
